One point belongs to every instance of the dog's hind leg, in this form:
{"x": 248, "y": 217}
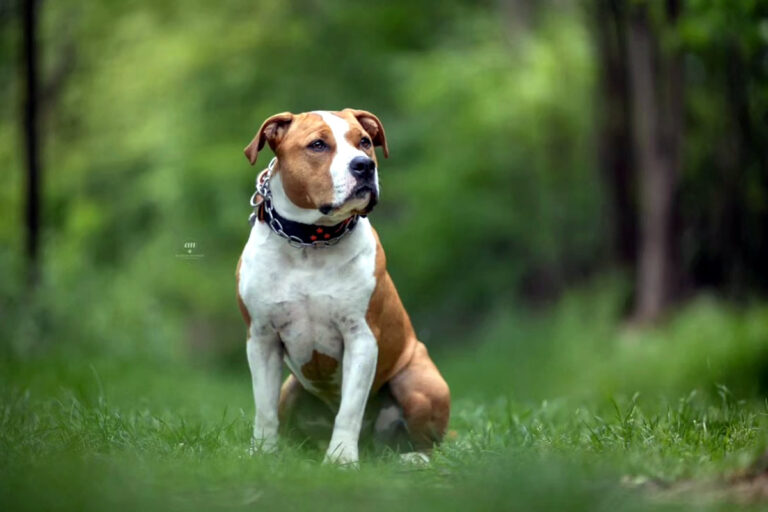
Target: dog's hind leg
{"x": 424, "y": 398}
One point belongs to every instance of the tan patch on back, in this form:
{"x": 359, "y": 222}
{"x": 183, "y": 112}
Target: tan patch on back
{"x": 389, "y": 322}
{"x": 306, "y": 175}
{"x": 320, "y": 371}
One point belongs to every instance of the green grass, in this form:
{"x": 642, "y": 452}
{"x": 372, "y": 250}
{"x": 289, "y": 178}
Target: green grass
{"x": 552, "y": 411}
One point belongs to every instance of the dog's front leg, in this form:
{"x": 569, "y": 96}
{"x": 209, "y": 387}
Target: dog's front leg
{"x": 265, "y": 361}
{"x": 358, "y": 369}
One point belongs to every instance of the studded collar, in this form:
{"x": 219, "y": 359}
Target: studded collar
{"x": 297, "y": 234}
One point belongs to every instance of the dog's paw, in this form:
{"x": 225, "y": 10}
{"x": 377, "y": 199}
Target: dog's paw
{"x": 414, "y": 458}
{"x": 262, "y": 446}
{"x": 343, "y": 456}
{"x": 341, "y": 463}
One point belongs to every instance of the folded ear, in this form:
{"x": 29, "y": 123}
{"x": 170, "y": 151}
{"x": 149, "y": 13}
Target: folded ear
{"x": 272, "y": 131}
{"x": 373, "y": 126}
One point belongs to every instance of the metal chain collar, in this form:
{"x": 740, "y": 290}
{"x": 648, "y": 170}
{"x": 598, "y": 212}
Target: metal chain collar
{"x": 263, "y": 196}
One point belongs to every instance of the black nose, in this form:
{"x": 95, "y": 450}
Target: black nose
{"x": 362, "y": 167}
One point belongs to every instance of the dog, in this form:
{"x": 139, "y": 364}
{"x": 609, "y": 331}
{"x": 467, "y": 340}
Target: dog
{"x": 313, "y": 289}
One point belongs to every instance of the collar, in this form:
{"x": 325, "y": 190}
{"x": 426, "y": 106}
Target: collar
{"x": 297, "y": 234}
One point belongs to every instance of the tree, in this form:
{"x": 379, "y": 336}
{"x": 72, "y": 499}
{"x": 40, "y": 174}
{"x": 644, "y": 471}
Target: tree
{"x": 615, "y": 135}
{"x": 656, "y": 90}
{"x": 30, "y": 123}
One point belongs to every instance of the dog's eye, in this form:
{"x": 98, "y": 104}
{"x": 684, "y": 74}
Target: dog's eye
{"x": 318, "y": 145}
{"x": 365, "y": 143}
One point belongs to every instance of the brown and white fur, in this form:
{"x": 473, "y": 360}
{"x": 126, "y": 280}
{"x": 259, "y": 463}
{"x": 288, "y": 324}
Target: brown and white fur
{"x": 332, "y": 314}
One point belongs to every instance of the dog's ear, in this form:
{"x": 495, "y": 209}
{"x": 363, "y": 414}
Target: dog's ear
{"x": 272, "y": 131}
{"x": 373, "y": 126}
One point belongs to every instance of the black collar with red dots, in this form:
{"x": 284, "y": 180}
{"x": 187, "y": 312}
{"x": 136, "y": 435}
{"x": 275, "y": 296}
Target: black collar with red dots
{"x": 305, "y": 235}
{"x": 296, "y": 234}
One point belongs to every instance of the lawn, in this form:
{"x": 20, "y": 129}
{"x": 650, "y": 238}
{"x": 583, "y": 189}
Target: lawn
{"x": 560, "y": 409}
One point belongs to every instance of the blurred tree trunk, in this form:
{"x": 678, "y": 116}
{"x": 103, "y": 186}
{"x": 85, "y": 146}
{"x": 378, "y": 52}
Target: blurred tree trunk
{"x": 657, "y": 106}
{"x": 735, "y": 233}
{"x": 29, "y": 16}
{"x": 616, "y": 161}
{"x": 519, "y": 16}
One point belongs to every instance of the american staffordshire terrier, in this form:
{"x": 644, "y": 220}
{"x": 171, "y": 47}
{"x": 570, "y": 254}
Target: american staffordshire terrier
{"x": 313, "y": 288}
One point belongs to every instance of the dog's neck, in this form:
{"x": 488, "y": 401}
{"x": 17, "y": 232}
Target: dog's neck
{"x": 299, "y": 227}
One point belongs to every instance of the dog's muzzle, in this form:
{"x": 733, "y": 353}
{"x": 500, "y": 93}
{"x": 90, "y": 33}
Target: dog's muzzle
{"x": 360, "y": 192}
{"x": 364, "y": 171}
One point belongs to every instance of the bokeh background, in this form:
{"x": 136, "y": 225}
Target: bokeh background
{"x": 536, "y": 147}
{"x": 575, "y": 205}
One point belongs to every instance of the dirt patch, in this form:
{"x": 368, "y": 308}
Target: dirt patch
{"x": 749, "y": 486}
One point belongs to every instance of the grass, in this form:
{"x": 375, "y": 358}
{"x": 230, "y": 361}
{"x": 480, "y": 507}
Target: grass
{"x": 562, "y": 410}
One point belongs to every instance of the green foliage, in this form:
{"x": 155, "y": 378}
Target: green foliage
{"x": 500, "y": 180}
{"x": 492, "y": 188}
{"x": 587, "y": 354}
{"x": 491, "y": 171}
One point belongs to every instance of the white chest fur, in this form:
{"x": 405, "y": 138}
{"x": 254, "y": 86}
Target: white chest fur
{"x": 313, "y": 299}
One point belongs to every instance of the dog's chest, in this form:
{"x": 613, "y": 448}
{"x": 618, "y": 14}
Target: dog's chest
{"x": 311, "y": 298}
{"x": 312, "y": 312}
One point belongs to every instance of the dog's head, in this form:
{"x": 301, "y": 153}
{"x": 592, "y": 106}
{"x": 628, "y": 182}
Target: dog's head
{"x": 326, "y": 161}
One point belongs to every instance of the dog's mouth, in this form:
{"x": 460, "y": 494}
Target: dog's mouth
{"x": 355, "y": 203}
